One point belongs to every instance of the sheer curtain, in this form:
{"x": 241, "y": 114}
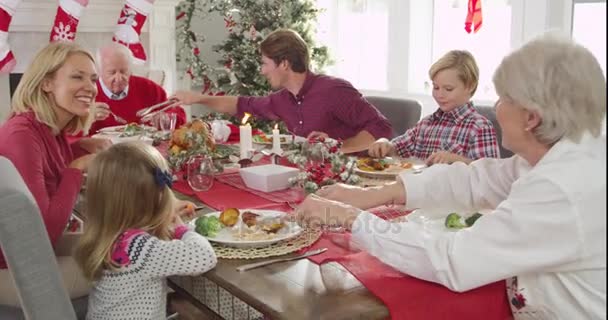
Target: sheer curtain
{"x": 357, "y": 34}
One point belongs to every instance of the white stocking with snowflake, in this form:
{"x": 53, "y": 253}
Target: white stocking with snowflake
{"x": 7, "y": 10}
{"x": 66, "y": 19}
{"x": 131, "y": 21}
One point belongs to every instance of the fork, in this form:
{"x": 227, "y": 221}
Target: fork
{"x": 118, "y": 118}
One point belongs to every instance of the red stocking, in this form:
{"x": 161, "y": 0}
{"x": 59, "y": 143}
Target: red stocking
{"x": 66, "y": 20}
{"x": 132, "y": 19}
{"x": 474, "y": 17}
{"x": 7, "y": 10}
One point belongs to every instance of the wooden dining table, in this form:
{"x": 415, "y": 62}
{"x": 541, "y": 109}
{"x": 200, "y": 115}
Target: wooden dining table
{"x": 297, "y": 289}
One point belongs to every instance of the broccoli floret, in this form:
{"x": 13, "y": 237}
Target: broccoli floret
{"x": 471, "y": 220}
{"x": 208, "y": 226}
{"x": 454, "y": 221}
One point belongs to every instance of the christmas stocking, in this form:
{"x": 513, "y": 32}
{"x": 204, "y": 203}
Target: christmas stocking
{"x": 132, "y": 19}
{"x": 7, "y": 10}
{"x": 66, "y": 19}
{"x": 474, "y": 18}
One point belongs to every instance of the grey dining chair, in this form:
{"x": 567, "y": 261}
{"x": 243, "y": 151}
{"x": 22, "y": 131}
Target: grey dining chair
{"x": 401, "y": 113}
{"x": 29, "y": 255}
{"x": 490, "y": 113}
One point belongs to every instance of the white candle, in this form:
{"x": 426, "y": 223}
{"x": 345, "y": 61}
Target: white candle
{"x": 246, "y": 140}
{"x": 276, "y": 140}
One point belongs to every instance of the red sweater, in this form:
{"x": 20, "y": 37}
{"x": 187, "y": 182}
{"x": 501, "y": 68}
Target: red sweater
{"x": 142, "y": 94}
{"x": 42, "y": 159}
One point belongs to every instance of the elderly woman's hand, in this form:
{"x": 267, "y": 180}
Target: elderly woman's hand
{"x": 445, "y": 157}
{"x": 94, "y": 145}
{"x": 353, "y": 195}
{"x": 317, "y": 212}
{"x": 365, "y": 198}
{"x": 381, "y": 148}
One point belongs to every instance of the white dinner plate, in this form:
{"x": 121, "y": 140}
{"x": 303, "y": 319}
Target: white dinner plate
{"x": 226, "y": 236}
{"x": 121, "y": 128}
{"x": 394, "y": 168}
{"x": 286, "y": 137}
{"x": 115, "y": 138}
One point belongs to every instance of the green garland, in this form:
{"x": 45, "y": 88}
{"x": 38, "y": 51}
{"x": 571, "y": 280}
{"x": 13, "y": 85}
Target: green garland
{"x": 248, "y": 22}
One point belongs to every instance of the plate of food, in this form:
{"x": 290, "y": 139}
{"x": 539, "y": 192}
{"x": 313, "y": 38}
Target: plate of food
{"x": 128, "y": 130}
{"x": 246, "y": 228}
{"x": 386, "y": 167}
{"x": 262, "y": 138}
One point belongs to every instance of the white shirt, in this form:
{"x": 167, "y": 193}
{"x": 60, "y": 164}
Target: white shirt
{"x": 546, "y": 233}
{"x": 112, "y": 95}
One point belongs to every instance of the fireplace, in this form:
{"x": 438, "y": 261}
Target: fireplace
{"x": 31, "y": 25}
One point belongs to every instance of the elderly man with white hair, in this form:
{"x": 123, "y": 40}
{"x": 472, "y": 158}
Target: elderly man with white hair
{"x": 122, "y": 93}
{"x": 546, "y": 231}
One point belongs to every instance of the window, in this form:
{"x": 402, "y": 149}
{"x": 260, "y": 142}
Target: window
{"x": 489, "y": 45}
{"x": 589, "y": 28}
{"x": 356, "y": 32}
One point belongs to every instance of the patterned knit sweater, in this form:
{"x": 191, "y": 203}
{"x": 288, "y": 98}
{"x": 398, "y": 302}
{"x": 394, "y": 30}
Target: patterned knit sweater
{"x": 138, "y": 289}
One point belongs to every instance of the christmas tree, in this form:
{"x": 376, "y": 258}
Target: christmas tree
{"x": 248, "y": 22}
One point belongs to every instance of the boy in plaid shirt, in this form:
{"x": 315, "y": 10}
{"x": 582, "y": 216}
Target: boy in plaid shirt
{"x": 456, "y": 131}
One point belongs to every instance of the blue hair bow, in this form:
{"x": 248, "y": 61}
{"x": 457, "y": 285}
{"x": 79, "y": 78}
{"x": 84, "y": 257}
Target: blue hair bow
{"x": 163, "y": 178}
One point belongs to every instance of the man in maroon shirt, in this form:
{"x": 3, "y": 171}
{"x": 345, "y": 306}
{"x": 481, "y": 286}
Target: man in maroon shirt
{"x": 308, "y": 103}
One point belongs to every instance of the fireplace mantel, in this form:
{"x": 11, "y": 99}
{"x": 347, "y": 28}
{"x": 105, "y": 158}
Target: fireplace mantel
{"x": 31, "y": 25}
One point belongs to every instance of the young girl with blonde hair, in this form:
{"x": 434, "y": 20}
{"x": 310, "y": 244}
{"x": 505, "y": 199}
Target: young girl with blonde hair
{"x": 133, "y": 238}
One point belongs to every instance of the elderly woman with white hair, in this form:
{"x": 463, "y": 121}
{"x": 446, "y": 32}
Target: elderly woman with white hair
{"x": 545, "y": 233}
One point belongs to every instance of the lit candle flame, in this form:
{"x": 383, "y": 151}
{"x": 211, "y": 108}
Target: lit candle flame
{"x": 276, "y": 126}
{"x": 245, "y": 118}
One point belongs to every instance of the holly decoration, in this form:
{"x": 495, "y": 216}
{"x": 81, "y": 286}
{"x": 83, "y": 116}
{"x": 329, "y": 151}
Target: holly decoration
{"x": 322, "y": 163}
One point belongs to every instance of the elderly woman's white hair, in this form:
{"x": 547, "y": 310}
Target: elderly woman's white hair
{"x": 561, "y": 81}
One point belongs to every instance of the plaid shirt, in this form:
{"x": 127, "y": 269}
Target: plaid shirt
{"x": 462, "y": 131}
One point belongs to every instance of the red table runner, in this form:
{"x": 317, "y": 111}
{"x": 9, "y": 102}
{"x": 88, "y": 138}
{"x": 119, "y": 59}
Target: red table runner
{"x": 407, "y": 297}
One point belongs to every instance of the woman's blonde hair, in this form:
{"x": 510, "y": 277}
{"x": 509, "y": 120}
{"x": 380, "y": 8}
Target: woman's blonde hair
{"x": 463, "y": 62}
{"x": 29, "y": 95}
{"x": 561, "y": 81}
{"x": 122, "y": 193}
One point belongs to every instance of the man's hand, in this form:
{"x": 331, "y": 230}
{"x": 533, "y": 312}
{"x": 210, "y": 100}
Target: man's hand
{"x": 94, "y": 145}
{"x": 317, "y": 135}
{"x": 381, "y": 148}
{"x": 445, "y": 157}
{"x": 102, "y": 111}
{"x": 186, "y": 97}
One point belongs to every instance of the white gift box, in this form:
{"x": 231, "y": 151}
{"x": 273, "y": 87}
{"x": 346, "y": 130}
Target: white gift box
{"x": 268, "y": 178}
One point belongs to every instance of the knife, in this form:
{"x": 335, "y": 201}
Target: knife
{"x": 250, "y": 266}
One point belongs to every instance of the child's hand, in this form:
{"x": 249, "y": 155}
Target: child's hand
{"x": 445, "y": 157}
{"x": 176, "y": 221}
{"x": 381, "y": 148}
{"x": 184, "y": 208}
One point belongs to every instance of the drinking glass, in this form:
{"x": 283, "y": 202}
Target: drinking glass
{"x": 200, "y": 170}
{"x": 167, "y": 121}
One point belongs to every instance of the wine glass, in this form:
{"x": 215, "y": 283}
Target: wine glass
{"x": 200, "y": 170}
